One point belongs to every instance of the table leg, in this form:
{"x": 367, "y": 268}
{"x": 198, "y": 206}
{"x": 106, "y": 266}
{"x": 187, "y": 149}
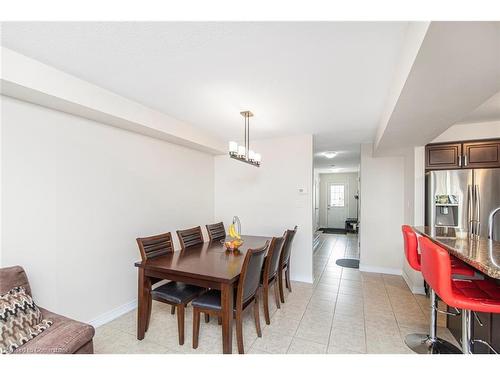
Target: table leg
{"x": 143, "y": 291}
{"x": 227, "y": 318}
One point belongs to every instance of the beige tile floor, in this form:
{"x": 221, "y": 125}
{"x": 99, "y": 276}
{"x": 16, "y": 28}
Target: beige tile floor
{"x": 344, "y": 311}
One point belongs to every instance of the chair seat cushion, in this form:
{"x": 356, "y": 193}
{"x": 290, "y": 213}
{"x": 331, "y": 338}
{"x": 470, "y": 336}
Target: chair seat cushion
{"x": 65, "y": 336}
{"x": 177, "y": 292}
{"x": 209, "y": 300}
{"x": 476, "y": 295}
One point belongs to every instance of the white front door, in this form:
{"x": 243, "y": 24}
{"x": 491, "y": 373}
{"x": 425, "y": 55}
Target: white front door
{"x": 337, "y": 205}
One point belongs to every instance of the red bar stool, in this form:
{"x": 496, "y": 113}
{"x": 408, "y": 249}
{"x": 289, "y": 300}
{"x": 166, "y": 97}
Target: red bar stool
{"x": 421, "y": 343}
{"x": 467, "y": 295}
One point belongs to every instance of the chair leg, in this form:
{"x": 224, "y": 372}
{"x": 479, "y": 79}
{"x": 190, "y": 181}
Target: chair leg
{"x": 150, "y": 306}
{"x": 180, "y": 323}
{"x": 207, "y": 318}
{"x": 172, "y": 310}
{"x": 277, "y": 295}
{"x": 265, "y": 299}
{"x": 280, "y": 283}
{"x": 196, "y": 327}
{"x": 288, "y": 283}
{"x": 256, "y": 316}
{"x": 239, "y": 333}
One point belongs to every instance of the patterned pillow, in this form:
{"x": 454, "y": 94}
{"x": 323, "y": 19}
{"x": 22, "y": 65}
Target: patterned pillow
{"x": 20, "y": 320}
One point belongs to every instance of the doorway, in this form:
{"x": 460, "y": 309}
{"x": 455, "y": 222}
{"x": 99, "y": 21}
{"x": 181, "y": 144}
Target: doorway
{"x": 337, "y": 205}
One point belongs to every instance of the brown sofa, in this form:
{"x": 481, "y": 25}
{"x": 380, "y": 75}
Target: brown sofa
{"x": 65, "y": 336}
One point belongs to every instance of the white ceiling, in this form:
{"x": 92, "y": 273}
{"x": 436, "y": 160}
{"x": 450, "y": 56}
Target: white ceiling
{"x": 330, "y": 79}
{"x": 488, "y": 111}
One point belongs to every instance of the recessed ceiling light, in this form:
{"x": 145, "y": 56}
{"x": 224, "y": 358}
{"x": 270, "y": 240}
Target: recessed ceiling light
{"x": 329, "y": 154}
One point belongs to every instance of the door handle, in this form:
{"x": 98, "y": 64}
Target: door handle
{"x": 459, "y": 160}
{"x": 469, "y": 209}
{"x": 478, "y": 210}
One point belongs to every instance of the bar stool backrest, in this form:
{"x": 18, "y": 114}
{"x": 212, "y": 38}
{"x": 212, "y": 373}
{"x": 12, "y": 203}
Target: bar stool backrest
{"x": 436, "y": 269}
{"x": 411, "y": 247}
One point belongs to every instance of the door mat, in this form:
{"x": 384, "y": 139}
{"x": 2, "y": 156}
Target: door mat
{"x": 347, "y": 262}
{"x": 333, "y": 230}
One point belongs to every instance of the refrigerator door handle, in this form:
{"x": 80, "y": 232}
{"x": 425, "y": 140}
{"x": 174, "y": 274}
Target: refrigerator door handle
{"x": 478, "y": 211}
{"x": 469, "y": 209}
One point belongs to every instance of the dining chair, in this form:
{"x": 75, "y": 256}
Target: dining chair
{"x": 246, "y": 295}
{"x": 190, "y": 237}
{"x": 270, "y": 274}
{"x": 174, "y": 293}
{"x": 216, "y": 231}
{"x": 285, "y": 263}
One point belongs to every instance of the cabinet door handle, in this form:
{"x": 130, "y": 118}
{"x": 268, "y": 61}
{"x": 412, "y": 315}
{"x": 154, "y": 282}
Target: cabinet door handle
{"x": 459, "y": 160}
{"x": 465, "y": 160}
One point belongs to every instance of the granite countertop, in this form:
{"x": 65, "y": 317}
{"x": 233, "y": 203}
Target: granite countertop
{"x": 482, "y": 254}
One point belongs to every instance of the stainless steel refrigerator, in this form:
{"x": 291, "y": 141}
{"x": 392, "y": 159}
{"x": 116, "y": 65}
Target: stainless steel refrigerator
{"x": 463, "y": 199}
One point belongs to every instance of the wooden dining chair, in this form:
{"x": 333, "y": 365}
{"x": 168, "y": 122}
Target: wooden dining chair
{"x": 190, "y": 237}
{"x": 246, "y": 295}
{"x": 270, "y": 274}
{"x": 174, "y": 293}
{"x": 216, "y": 231}
{"x": 285, "y": 263}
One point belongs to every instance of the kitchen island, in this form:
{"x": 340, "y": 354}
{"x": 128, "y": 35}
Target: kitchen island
{"x": 483, "y": 255}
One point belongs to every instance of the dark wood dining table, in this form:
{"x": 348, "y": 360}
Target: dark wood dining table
{"x": 208, "y": 265}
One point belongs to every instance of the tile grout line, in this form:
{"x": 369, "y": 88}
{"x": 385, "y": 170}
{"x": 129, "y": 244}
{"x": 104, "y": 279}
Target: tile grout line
{"x": 314, "y": 287}
{"x": 335, "y": 305}
{"x": 309, "y": 301}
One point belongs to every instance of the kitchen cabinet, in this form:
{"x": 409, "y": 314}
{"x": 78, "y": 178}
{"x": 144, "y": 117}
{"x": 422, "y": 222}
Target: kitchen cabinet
{"x": 481, "y": 154}
{"x": 443, "y": 156}
{"x": 463, "y": 155}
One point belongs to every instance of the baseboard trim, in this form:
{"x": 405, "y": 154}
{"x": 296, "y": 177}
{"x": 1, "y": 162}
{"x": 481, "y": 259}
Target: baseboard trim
{"x": 414, "y": 289}
{"x": 302, "y": 280}
{"x": 113, "y": 314}
{"x": 375, "y": 269}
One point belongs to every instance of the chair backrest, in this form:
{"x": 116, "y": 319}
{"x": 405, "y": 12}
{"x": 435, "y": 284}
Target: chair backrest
{"x": 154, "y": 246}
{"x": 411, "y": 247}
{"x": 436, "y": 269}
{"x": 216, "y": 231}
{"x": 273, "y": 257}
{"x": 190, "y": 237}
{"x": 287, "y": 246}
{"x": 11, "y": 277}
{"x": 250, "y": 275}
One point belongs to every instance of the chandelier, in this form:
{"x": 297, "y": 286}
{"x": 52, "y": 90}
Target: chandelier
{"x": 243, "y": 153}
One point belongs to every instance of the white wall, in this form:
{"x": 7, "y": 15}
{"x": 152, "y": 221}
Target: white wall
{"x": 463, "y": 132}
{"x": 77, "y": 193}
{"x": 267, "y": 199}
{"x": 351, "y": 179}
{"x": 382, "y": 212}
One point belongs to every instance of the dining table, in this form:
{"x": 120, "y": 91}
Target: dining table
{"x": 208, "y": 265}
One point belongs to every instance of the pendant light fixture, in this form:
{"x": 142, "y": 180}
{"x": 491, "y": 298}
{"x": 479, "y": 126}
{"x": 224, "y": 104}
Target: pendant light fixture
{"x": 243, "y": 153}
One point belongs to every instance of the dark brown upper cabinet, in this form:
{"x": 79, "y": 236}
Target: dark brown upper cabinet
{"x": 466, "y": 154}
{"x": 443, "y": 156}
{"x": 482, "y": 154}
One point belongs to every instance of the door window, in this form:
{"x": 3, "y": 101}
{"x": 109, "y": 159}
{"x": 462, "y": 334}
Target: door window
{"x": 337, "y": 195}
